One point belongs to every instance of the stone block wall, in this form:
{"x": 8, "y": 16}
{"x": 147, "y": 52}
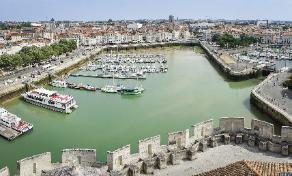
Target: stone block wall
{"x": 149, "y": 146}
{"x": 118, "y": 158}
{"x": 262, "y": 129}
{"x": 32, "y": 166}
{"x": 286, "y": 133}
{"x": 201, "y": 130}
{"x": 232, "y": 125}
{"x": 181, "y": 145}
{"x": 180, "y": 139}
{"x": 85, "y": 157}
{"x": 4, "y": 171}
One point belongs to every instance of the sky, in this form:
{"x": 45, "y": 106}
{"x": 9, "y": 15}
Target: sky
{"x": 87, "y": 10}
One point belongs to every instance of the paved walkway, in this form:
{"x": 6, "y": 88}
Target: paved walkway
{"x": 273, "y": 91}
{"x": 219, "y": 157}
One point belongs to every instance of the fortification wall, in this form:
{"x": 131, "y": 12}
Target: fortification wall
{"x": 262, "y": 129}
{"x": 181, "y": 146}
{"x": 275, "y": 112}
{"x": 231, "y": 125}
{"x": 4, "y": 171}
{"x": 201, "y": 130}
{"x": 179, "y": 139}
{"x": 85, "y": 157}
{"x": 34, "y": 165}
{"x": 118, "y": 158}
{"x": 149, "y": 146}
{"x": 231, "y": 74}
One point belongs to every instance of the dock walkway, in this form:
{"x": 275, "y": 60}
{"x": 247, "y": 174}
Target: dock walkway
{"x": 8, "y": 133}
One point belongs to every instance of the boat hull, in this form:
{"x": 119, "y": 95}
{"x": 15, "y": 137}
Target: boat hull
{"x": 67, "y": 111}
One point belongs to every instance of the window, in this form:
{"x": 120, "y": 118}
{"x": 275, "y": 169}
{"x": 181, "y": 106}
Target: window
{"x": 34, "y": 168}
{"x": 79, "y": 159}
{"x": 179, "y": 142}
{"x": 149, "y": 149}
{"x": 120, "y": 160}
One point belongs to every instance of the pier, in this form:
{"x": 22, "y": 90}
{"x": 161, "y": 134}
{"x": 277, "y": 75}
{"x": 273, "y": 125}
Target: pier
{"x": 8, "y": 133}
{"x": 105, "y": 76}
{"x": 224, "y": 64}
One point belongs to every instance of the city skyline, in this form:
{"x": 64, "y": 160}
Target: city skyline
{"x": 37, "y": 10}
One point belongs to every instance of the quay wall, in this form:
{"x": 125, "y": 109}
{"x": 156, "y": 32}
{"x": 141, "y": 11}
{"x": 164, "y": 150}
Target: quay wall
{"x": 228, "y": 72}
{"x": 264, "y": 105}
{"x": 151, "y": 155}
{"x": 16, "y": 90}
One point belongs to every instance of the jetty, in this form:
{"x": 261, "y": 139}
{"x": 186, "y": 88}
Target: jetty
{"x": 8, "y": 133}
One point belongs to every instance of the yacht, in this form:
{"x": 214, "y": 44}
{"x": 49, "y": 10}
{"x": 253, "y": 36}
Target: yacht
{"x": 58, "y": 83}
{"x": 131, "y": 90}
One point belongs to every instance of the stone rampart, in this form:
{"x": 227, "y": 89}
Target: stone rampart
{"x": 84, "y": 157}
{"x": 34, "y": 165}
{"x": 151, "y": 155}
{"x": 4, "y": 171}
{"x": 229, "y": 72}
{"x": 267, "y": 107}
{"x": 231, "y": 125}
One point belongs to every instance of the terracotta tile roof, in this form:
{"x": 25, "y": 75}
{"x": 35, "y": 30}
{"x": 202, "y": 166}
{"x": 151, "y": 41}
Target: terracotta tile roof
{"x": 250, "y": 168}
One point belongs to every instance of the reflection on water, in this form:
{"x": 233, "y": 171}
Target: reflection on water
{"x": 192, "y": 91}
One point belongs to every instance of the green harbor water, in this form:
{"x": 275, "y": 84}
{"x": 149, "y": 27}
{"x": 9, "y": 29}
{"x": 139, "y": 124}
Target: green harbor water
{"x": 190, "y": 92}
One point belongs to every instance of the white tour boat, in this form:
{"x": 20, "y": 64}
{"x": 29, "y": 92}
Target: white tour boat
{"x": 50, "y": 100}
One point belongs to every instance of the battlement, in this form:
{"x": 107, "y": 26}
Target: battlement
{"x": 4, "y": 171}
{"x": 181, "y": 145}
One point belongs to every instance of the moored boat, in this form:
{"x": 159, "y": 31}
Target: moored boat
{"x": 58, "y": 83}
{"x": 131, "y": 90}
{"x": 88, "y": 87}
{"x": 12, "y": 121}
{"x": 50, "y": 100}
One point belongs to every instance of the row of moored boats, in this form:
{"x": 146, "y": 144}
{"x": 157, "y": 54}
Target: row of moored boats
{"x": 109, "y": 88}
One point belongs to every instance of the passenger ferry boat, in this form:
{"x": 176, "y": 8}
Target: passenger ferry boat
{"x": 50, "y": 100}
{"x": 12, "y": 121}
{"x": 58, "y": 83}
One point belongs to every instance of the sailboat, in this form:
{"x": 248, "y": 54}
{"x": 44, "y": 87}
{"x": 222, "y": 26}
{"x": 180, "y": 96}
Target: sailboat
{"x": 132, "y": 90}
{"x": 112, "y": 88}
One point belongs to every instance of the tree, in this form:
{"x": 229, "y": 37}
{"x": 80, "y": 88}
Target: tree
{"x": 33, "y": 54}
{"x": 288, "y": 83}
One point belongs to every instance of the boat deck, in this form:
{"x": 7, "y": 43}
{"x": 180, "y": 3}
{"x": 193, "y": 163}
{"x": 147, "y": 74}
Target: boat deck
{"x": 8, "y": 133}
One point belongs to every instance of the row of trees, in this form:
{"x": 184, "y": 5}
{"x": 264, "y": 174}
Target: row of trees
{"x": 6, "y": 26}
{"x": 34, "y": 54}
{"x": 227, "y": 40}
{"x": 288, "y": 83}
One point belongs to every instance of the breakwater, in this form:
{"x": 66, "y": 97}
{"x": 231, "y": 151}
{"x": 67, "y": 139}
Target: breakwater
{"x": 182, "y": 145}
{"x": 228, "y": 71}
{"x": 267, "y": 107}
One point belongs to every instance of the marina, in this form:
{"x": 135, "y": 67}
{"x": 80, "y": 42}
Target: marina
{"x": 168, "y": 103}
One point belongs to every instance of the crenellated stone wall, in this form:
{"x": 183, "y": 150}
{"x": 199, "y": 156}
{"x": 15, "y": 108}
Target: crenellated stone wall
{"x": 233, "y": 125}
{"x": 262, "y": 129}
{"x": 179, "y": 139}
{"x": 4, "y": 171}
{"x": 201, "y": 130}
{"x": 34, "y": 165}
{"x": 84, "y": 157}
{"x": 149, "y": 146}
{"x": 118, "y": 158}
{"x": 151, "y": 155}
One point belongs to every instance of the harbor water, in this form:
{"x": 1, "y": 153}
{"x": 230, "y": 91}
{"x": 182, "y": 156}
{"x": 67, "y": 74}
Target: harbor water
{"x": 190, "y": 92}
